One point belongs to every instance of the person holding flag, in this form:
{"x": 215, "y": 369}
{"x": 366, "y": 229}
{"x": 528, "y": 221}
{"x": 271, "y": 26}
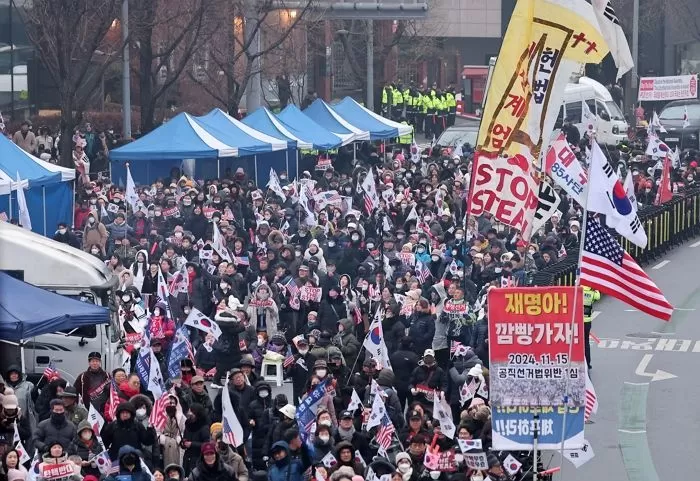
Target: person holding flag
{"x": 87, "y": 446}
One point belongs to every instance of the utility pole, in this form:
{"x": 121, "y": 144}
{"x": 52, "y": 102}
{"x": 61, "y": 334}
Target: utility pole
{"x": 12, "y": 66}
{"x": 126, "y": 74}
{"x": 370, "y": 64}
{"x": 634, "y": 78}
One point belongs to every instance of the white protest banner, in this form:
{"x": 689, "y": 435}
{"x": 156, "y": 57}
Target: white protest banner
{"x": 673, "y": 87}
{"x": 476, "y": 460}
{"x": 310, "y": 294}
{"x": 563, "y": 166}
{"x": 443, "y": 413}
{"x": 96, "y": 420}
{"x": 506, "y": 188}
{"x": 579, "y": 457}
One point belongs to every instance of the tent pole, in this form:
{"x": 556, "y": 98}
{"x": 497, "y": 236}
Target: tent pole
{"x": 72, "y": 214}
{"x": 286, "y": 160}
{"x": 10, "y": 208}
{"x": 255, "y": 164}
{"x": 43, "y": 194}
{"x": 354, "y": 152}
{"x": 218, "y": 168}
{"x": 297, "y": 173}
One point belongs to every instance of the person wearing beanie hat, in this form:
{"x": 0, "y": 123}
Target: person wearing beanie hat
{"x": 87, "y": 447}
{"x": 90, "y": 384}
{"x": 404, "y": 465}
{"x": 54, "y": 455}
{"x": 227, "y": 454}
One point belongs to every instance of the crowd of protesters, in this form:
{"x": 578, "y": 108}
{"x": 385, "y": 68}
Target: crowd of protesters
{"x": 421, "y": 263}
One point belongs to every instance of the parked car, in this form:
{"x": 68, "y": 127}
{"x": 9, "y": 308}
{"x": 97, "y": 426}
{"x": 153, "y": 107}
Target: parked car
{"x": 671, "y": 118}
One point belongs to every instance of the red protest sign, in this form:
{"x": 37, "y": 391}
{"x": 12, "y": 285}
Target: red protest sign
{"x": 171, "y": 212}
{"x": 56, "y": 471}
{"x": 534, "y": 346}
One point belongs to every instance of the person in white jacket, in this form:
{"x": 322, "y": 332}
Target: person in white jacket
{"x": 139, "y": 268}
{"x": 314, "y": 250}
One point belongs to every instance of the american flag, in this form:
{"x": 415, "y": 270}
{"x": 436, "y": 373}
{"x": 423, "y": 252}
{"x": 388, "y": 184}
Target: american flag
{"x": 159, "y": 418}
{"x": 591, "y": 399}
{"x": 385, "y": 432}
{"x": 422, "y": 271}
{"x": 606, "y": 266}
{"x": 113, "y": 400}
{"x": 294, "y": 292}
{"x": 289, "y": 360}
{"x": 180, "y": 282}
{"x": 228, "y": 436}
{"x": 327, "y": 198}
{"x": 241, "y": 261}
{"x": 50, "y": 371}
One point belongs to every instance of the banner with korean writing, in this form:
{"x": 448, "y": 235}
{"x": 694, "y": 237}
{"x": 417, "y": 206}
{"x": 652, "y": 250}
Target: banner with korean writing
{"x": 546, "y": 42}
{"x": 513, "y": 428}
{"x": 531, "y": 336}
{"x": 672, "y": 87}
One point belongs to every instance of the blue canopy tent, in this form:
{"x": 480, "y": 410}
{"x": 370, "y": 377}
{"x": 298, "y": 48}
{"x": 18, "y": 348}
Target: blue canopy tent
{"x": 250, "y": 142}
{"x": 305, "y": 128}
{"x": 378, "y": 127}
{"x": 27, "y": 311}
{"x": 265, "y": 121}
{"x": 48, "y": 188}
{"x": 156, "y": 153}
{"x": 323, "y": 114}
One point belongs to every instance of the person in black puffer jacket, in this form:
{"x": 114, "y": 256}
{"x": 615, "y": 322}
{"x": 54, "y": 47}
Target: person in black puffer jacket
{"x": 49, "y": 392}
{"x": 463, "y": 361}
{"x": 210, "y": 467}
{"x": 125, "y": 431}
{"x": 261, "y": 420}
{"x": 422, "y": 328}
{"x": 427, "y": 376}
{"x": 195, "y": 435}
{"x": 87, "y": 446}
{"x": 403, "y": 361}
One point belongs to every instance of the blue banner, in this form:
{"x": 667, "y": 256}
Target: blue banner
{"x": 306, "y": 412}
{"x": 178, "y": 352}
{"x": 143, "y": 365}
{"x": 514, "y": 428}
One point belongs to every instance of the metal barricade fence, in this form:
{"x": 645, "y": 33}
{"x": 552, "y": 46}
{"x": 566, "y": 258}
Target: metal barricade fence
{"x": 666, "y": 225}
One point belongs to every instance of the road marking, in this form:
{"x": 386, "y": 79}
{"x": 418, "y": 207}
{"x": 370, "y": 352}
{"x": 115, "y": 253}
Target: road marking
{"x": 650, "y": 344}
{"x": 636, "y": 454}
{"x": 660, "y": 264}
{"x": 659, "y": 375}
{"x": 637, "y": 383}
{"x": 695, "y": 244}
{"x": 663, "y": 333}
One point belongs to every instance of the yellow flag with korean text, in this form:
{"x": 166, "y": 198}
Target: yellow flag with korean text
{"x": 545, "y": 43}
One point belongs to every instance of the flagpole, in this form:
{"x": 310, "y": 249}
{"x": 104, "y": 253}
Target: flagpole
{"x": 577, "y": 283}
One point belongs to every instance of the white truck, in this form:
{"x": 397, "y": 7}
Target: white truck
{"x": 70, "y": 272}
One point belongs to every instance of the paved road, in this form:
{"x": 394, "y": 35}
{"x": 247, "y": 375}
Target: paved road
{"x": 646, "y": 427}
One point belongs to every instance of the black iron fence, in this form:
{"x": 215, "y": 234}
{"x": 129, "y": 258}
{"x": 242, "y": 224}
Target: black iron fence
{"x": 666, "y": 226}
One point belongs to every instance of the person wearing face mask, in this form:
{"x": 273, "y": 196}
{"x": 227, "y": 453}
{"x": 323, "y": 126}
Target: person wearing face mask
{"x": 261, "y": 421}
{"x": 300, "y": 370}
{"x": 64, "y": 235}
{"x": 12, "y": 414}
{"x": 56, "y": 428}
{"x": 170, "y": 436}
{"x": 323, "y": 442}
{"x": 129, "y": 465}
{"x": 404, "y": 465}
{"x": 87, "y": 447}
{"x": 196, "y": 434}
{"x": 94, "y": 233}
{"x": 126, "y": 431}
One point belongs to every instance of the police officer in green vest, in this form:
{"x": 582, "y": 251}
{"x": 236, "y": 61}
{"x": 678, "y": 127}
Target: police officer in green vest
{"x": 422, "y": 110}
{"x": 397, "y": 110}
{"x": 451, "y": 105}
{"x": 408, "y": 103}
{"x": 590, "y": 297}
{"x": 386, "y": 100}
{"x": 405, "y": 140}
{"x": 429, "y": 97}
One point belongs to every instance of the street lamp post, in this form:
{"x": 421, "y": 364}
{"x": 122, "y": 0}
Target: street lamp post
{"x": 12, "y": 65}
{"x": 126, "y": 74}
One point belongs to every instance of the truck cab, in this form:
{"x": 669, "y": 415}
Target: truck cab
{"x": 70, "y": 272}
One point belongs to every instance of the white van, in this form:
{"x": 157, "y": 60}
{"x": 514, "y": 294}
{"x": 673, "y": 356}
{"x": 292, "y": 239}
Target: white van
{"x": 70, "y": 272}
{"x": 610, "y": 125}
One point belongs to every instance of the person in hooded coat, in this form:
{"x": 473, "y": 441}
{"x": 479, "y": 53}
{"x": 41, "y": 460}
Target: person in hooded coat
{"x": 56, "y": 428}
{"x": 210, "y": 466}
{"x": 195, "y": 436}
{"x": 385, "y": 380}
{"x": 87, "y": 447}
{"x": 170, "y": 436}
{"x": 125, "y": 431}
{"x": 56, "y": 453}
{"x": 49, "y": 392}
{"x": 286, "y": 467}
{"x": 129, "y": 465}
{"x": 346, "y": 341}
{"x": 143, "y": 406}
{"x": 331, "y": 310}
{"x": 22, "y": 388}
{"x": 261, "y": 421}
{"x": 463, "y": 361}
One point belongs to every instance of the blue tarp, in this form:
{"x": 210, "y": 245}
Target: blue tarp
{"x": 50, "y": 188}
{"x": 179, "y": 138}
{"x": 378, "y": 127}
{"x": 265, "y": 121}
{"x": 323, "y": 114}
{"x": 27, "y": 311}
{"x": 305, "y": 128}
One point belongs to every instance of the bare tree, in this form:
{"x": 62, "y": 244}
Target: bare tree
{"x": 232, "y": 61}
{"x": 70, "y": 38}
{"x": 166, "y": 35}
